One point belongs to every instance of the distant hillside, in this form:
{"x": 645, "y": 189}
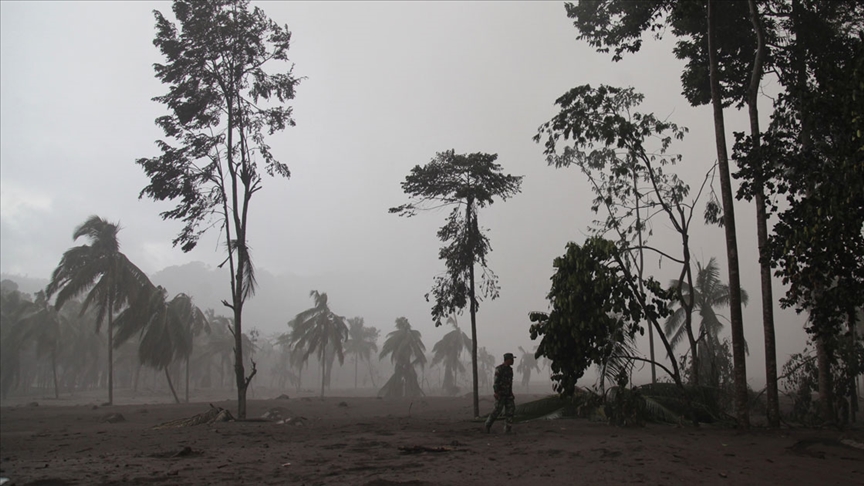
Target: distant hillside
{"x": 27, "y": 285}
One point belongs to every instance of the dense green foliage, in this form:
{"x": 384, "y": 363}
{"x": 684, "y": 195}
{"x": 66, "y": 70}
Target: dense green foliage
{"x": 594, "y": 306}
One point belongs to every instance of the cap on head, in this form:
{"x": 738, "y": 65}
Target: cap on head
{"x": 509, "y": 356}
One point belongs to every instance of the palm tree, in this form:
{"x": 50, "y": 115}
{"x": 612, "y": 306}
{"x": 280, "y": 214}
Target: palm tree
{"x": 282, "y": 372}
{"x": 104, "y": 273}
{"x": 708, "y": 293}
{"x": 81, "y": 351}
{"x": 46, "y": 326}
{"x": 160, "y": 330}
{"x": 486, "y": 365}
{"x": 448, "y": 351}
{"x": 317, "y": 328}
{"x": 527, "y": 364}
{"x": 362, "y": 342}
{"x": 193, "y": 323}
{"x": 14, "y": 306}
{"x": 405, "y": 347}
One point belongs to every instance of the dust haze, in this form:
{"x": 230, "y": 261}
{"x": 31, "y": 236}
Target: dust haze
{"x": 387, "y": 86}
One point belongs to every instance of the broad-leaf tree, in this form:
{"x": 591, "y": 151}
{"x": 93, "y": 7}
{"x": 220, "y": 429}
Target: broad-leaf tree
{"x": 319, "y": 330}
{"x": 595, "y": 306}
{"x": 103, "y": 272}
{"x": 407, "y": 351}
{"x": 467, "y": 183}
{"x": 222, "y": 102}
{"x": 626, "y": 157}
{"x": 810, "y": 158}
{"x": 712, "y": 40}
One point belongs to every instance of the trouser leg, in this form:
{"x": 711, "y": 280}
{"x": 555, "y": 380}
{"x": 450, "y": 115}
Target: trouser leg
{"x": 509, "y": 412}
{"x": 499, "y": 405}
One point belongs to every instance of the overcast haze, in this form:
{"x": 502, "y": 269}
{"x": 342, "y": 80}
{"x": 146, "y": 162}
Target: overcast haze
{"x": 387, "y": 86}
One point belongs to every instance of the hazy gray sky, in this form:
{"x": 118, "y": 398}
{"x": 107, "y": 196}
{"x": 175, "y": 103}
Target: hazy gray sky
{"x": 388, "y": 85}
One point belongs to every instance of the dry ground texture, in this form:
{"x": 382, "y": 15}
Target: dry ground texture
{"x": 369, "y": 441}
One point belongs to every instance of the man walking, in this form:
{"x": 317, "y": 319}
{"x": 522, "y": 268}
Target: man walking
{"x": 504, "y": 399}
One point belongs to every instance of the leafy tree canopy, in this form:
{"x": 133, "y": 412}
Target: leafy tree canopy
{"x": 467, "y": 182}
{"x": 594, "y": 306}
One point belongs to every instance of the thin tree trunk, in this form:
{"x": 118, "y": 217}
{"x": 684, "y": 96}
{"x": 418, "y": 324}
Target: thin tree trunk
{"x": 135, "y": 381}
{"x": 187, "y": 379}
{"x": 355, "y": 371}
{"x": 371, "y": 376}
{"x": 110, "y": 352}
{"x": 823, "y": 360}
{"x": 737, "y": 322}
{"x": 323, "y": 373}
{"x": 853, "y": 391}
{"x": 772, "y": 396}
{"x": 641, "y": 270}
{"x": 54, "y": 372}
{"x": 171, "y": 385}
{"x": 473, "y": 306}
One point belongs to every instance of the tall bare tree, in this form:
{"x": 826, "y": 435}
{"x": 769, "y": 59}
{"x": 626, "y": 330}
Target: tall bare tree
{"x": 221, "y": 104}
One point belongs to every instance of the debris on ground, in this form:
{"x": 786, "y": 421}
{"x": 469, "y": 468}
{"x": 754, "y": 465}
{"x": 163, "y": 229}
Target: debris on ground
{"x": 215, "y": 414}
{"x": 183, "y": 452}
{"x": 422, "y": 449}
{"x": 275, "y": 414}
{"x": 292, "y": 421}
{"x": 113, "y": 418}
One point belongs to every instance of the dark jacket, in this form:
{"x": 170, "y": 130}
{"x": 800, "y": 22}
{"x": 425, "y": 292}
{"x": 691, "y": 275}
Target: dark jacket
{"x": 503, "y": 385}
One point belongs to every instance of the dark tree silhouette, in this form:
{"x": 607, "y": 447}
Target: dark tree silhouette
{"x": 467, "y": 183}
{"x": 449, "y": 351}
{"x": 220, "y": 100}
{"x": 406, "y": 350}
{"x": 362, "y": 342}
{"x": 318, "y": 329}
{"x": 104, "y": 273}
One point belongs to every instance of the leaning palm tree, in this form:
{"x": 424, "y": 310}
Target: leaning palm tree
{"x": 101, "y": 271}
{"x": 527, "y": 364}
{"x": 708, "y": 293}
{"x": 159, "y": 325}
{"x": 406, "y": 348}
{"x": 449, "y": 351}
{"x": 362, "y": 342}
{"x": 317, "y": 328}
